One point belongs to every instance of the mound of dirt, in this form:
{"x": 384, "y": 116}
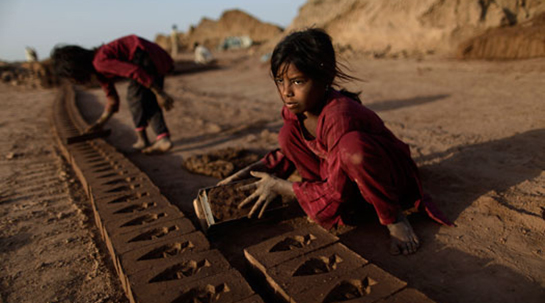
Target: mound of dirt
{"x": 232, "y": 23}
{"x": 220, "y": 163}
{"x": 526, "y": 40}
{"x": 410, "y": 28}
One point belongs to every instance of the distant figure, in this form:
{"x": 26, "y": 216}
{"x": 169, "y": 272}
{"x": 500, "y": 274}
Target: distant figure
{"x": 30, "y": 54}
{"x": 174, "y": 41}
{"x": 144, "y": 63}
{"x": 202, "y": 54}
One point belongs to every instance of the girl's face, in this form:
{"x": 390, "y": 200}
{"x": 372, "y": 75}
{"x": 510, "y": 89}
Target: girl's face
{"x": 300, "y": 94}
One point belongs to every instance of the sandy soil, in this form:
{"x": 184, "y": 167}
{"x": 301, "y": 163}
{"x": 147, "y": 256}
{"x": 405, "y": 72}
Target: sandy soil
{"x": 476, "y": 130}
{"x": 48, "y": 241}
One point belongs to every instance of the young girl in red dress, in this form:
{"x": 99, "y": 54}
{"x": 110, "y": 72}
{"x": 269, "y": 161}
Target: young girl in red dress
{"x": 341, "y": 149}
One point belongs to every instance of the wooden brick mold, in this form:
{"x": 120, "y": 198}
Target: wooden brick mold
{"x": 157, "y": 252}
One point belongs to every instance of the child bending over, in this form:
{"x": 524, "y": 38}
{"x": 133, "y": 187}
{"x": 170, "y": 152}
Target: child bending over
{"x": 342, "y": 150}
{"x": 144, "y": 63}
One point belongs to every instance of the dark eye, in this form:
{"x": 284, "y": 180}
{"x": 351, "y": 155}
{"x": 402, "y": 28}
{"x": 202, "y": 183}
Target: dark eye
{"x": 278, "y": 80}
{"x": 298, "y": 82}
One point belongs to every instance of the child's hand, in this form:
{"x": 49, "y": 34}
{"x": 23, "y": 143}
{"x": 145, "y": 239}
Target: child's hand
{"x": 165, "y": 101}
{"x": 94, "y": 128}
{"x": 266, "y": 190}
{"x": 106, "y": 115}
{"x": 243, "y": 173}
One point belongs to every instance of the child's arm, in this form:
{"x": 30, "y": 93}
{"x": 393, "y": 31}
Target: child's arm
{"x": 164, "y": 99}
{"x": 244, "y": 173}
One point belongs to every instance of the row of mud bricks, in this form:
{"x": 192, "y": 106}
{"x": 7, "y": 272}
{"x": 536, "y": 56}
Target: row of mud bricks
{"x": 161, "y": 257}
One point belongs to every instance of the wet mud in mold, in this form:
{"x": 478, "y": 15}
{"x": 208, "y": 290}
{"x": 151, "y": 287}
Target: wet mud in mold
{"x": 224, "y": 201}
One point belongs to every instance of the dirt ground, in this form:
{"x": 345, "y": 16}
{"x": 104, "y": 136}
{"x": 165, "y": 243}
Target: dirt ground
{"x": 50, "y": 249}
{"x": 476, "y": 130}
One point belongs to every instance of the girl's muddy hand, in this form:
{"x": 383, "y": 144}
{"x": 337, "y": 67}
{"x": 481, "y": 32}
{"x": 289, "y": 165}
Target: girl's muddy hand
{"x": 266, "y": 190}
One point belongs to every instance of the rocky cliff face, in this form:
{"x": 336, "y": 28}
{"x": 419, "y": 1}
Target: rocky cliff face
{"x": 411, "y": 27}
{"x": 489, "y": 29}
{"x": 232, "y": 23}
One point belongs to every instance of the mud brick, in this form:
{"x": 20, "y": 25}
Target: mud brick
{"x": 320, "y": 266}
{"x": 80, "y": 148}
{"x": 123, "y": 222}
{"x": 118, "y": 178}
{"x": 228, "y": 287}
{"x": 91, "y": 155}
{"x": 114, "y": 178}
{"x": 184, "y": 268}
{"x": 118, "y": 165}
{"x": 101, "y": 145}
{"x": 115, "y": 200}
{"x": 147, "y": 203}
{"x": 252, "y": 299}
{"x": 92, "y": 166}
{"x": 157, "y": 233}
{"x": 137, "y": 206}
{"x": 163, "y": 252}
{"x": 170, "y": 244}
{"x": 97, "y": 165}
{"x": 107, "y": 189}
{"x": 363, "y": 285}
{"x": 408, "y": 295}
{"x": 288, "y": 246}
{"x": 123, "y": 197}
{"x": 119, "y": 170}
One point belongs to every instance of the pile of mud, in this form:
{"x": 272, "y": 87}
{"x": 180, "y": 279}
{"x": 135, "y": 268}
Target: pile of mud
{"x": 526, "y": 40}
{"x": 414, "y": 28}
{"x": 220, "y": 163}
{"x": 232, "y": 23}
{"x": 28, "y": 74}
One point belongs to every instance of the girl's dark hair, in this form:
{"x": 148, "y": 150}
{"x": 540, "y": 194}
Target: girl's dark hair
{"x": 312, "y": 52}
{"x": 73, "y": 62}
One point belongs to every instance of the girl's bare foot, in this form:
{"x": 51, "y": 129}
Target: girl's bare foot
{"x": 404, "y": 240}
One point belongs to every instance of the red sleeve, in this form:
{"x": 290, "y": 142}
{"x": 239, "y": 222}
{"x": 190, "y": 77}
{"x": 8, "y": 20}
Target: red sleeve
{"x": 321, "y": 199}
{"x": 278, "y": 163}
{"x": 106, "y": 62}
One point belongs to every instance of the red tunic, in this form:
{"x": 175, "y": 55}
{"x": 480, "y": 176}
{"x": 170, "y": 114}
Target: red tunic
{"x": 353, "y": 151}
{"x": 114, "y": 60}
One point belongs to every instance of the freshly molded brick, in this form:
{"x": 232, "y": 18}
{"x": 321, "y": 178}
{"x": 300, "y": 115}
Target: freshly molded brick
{"x": 178, "y": 270}
{"x": 363, "y": 285}
{"x": 155, "y": 233}
{"x": 229, "y": 287}
{"x": 288, "y": 246}
{"x": 321, "y": 266}
{"x": 125, "y": 222}
{"x": 180, "y": 248}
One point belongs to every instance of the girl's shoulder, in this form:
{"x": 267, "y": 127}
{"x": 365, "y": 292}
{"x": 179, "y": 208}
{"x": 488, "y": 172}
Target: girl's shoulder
{"x": 338, "y": 103}
{"x": 345, "y": 113}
